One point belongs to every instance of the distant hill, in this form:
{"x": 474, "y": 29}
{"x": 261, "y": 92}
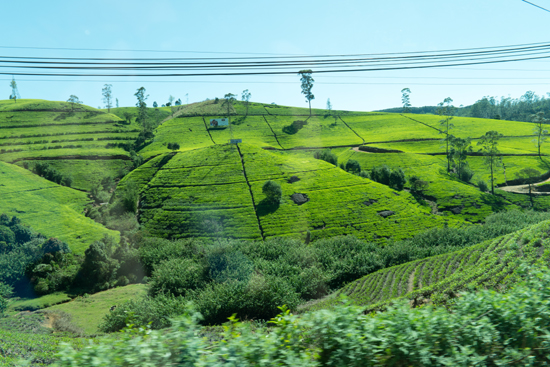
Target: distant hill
{"x": 76, "y": 139}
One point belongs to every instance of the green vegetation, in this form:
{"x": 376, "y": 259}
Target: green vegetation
{"x": 492, "y": 263}
{"x": 87, "y": 311}
{"x": 476, "y": 330}
{"x": 48, "y": 208}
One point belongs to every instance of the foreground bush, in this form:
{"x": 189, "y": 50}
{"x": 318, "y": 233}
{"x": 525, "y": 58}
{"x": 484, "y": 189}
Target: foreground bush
{"x": 483, "y": 329}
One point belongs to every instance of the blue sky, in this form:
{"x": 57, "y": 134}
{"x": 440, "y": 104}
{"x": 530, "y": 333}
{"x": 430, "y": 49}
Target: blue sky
{"x": 223, "y": 28}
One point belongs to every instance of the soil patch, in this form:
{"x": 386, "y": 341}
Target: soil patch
{"x": 370, "y": 202}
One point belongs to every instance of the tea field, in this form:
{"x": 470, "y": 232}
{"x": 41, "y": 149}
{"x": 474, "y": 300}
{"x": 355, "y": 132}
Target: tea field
{"x": 217, "y": 192}
{"x": 490, "y": 264}
{"x": 51, "y": 209}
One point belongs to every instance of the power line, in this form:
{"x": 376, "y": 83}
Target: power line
{"x": 540, "y": 7}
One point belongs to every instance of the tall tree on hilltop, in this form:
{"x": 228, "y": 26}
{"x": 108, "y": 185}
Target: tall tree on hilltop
{"x": 406, "y": 99}
{"x": 14, "y": 91}
{"x": 229, "y": 99}
{"x": 307, "y": 84}
{"x": 446, "y": 110}
{"x": 107, "y": 96}
{"x": 73, "y": 100}
{"x": 245, "y": 96}
{"x": 142, "y": 112}
{"x": 489, "y": 149}
{"x": 117, "y": 103}
{"x": 329, "y": 105}
{"x": 539, "y": 131}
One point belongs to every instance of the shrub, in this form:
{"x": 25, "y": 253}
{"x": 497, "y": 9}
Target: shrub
{"x": 154, "y": 311}
{"x": 482, "y": 186}
{"x": 5, "y": 293}
{"x": 397, "y": 179}
{"x": 130, "y": 197}
{"x": 353, "y": 166}
{"x": 465, "y": 173}
{"x": 418, "y": 185}
{"x": 225, "y": 263}
{"x": 272, "y": 190}
{"x": 327, "y": 155}
{"x": 381, "y": 174}
{"x": 364, "y": 174}
{"x": 178, "y": 277}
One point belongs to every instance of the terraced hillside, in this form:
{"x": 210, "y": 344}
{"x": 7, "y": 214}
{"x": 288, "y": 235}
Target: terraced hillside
{"x": 78, "y": 139}
{"x": 217, "y": 192}
{"x": 48, "y": 208}
{"x": 492, "y": 263}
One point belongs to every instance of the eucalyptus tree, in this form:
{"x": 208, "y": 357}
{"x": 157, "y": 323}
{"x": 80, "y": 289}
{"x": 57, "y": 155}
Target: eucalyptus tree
{"x": 539, "y": 131}
{"x": 307, "y": 85}
{"x": 107, "y": 96}
{"x": 491, "y": 154}
{"x": 245, "y": 97}
{"x": 446, "y": 111}
{"x": 14, "y": 91}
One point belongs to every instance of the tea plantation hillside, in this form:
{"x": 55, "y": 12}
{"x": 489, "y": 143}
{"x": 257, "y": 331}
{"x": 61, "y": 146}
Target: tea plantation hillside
{"x": 490, "y": 264}
{"x": 48, "y": 208}
{"x": 216, "y": 192}
{"x": 74, "y": 138}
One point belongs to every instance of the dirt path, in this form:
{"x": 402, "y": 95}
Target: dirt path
{"x": 524, "y": 189}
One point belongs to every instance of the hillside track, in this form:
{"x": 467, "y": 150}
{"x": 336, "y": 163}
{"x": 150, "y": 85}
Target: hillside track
{"x": 274, "y": 135}
{"x": 208, "y": 131}
{"x": 251, "y": 193}
{"x": 355, "y": 132}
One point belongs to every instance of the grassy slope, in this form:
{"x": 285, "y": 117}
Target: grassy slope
{"x": 48, "y": 208}
{"x": 88, "y": 311}
{"x": 31, "y": 129}
{"x": 492, "y": 263}
{"x": 204, "y": 193}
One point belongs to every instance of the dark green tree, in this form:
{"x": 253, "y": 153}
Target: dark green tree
{"x": 328, "y": 156}
{"x": 142, "y": 106}
{"x": 446, "y": 111}
{"x": 406, "y": 99}
{"x": 418, "y": 185}
{"x": 307, "y": 85}
{"x": 539, "y": 131}
{"x": 155, "y": 104}
{"x": 272, "y": 190}
{"x": 460, "y": 148}
{"x": 5, "y": 294}
{"x": 397, "y": 179}
{"x": 491, "y": 157}
{"x": 353, "y": 166}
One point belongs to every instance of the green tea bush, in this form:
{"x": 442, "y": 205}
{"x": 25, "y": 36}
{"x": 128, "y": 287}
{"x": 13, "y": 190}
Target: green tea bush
{"x": 484, "y": 328}
{"x": 482, "y": 186}
{"x": 178, "y": 276}
{"x": 5, "y": 293}
{"x": 154, "y": 311}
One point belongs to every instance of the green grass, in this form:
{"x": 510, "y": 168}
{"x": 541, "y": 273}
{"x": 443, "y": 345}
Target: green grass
{"x": 203, "y": 193}
{"x": 48, "y": 208}
{"x": 88, "y": 311}
{"x": 32, "y": 304}
{"x": 492, "y": 263}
